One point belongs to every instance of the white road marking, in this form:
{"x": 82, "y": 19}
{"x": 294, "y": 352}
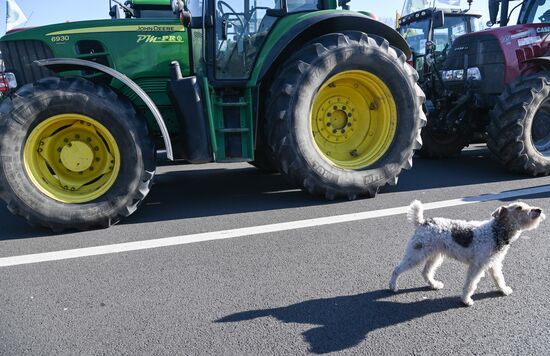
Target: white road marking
{"x": 255, "y": 230}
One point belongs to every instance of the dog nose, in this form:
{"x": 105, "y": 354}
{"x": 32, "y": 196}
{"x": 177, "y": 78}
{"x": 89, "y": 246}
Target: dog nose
{"x": 536, "y": 213}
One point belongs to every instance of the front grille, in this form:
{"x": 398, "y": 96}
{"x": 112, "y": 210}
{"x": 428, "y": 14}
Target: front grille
{"x": 19, "y": 55}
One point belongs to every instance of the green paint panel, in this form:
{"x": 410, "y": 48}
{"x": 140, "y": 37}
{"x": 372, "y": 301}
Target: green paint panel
{"x": 142, "y": 49}
{"x": 151, "y": 2}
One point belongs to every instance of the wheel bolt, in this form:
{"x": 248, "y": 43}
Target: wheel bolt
{"x": 349, "y": 124}
{"x": 373, "y": 106}
{"x": 97, "y": 159}
{"x": 73, "y": 189}
{"x": 39, "y": 150}
{"x": 328, "y": 123}
{"x": 343, "y": 130}
{"x": 70, "y": 144}
{"x": 65, "y": 187}
{"x": 350, "y": 114}
{"x": 344, "y": 108}
{"x": 329, "y": 114}
{"x": 91, "y": 168}
{"x": 353, "y": 153}
{"x": 110, "y": 168}
{"x": 112, "y": 161}
{"x": 41, "y": 143}
{"x": 335, "y": 107}
{"x": 334, "y": 131}
{"x": 96, "y": 148}
{"x": 77, "y": 136}
{"x": 59, "y": 149}
{"x": 65, "y": 140}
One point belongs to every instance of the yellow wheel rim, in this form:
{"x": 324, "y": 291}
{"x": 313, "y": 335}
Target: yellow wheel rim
{"x": 353, "y": 119}
{"x": 72, "y": 158}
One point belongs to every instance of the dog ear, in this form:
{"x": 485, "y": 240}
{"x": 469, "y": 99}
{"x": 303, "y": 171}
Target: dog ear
{"x": 500, "y": 212}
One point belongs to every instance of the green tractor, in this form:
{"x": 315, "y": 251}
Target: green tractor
{"x": 322, "y": 94}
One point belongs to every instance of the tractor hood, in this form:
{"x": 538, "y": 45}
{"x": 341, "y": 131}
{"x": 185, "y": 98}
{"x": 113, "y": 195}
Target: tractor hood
{"x": 499, "y": 54}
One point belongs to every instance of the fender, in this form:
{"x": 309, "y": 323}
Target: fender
{"x": 67, "y": 64}
{"x": 542, "y": 62}
{"x": 327, "y": 23}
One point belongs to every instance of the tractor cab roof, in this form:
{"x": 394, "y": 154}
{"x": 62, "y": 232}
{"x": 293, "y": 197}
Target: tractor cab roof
{"x": 428, "y": 13}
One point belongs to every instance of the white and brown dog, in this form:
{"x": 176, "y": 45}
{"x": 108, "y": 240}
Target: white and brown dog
{"x": 480, "y": 244}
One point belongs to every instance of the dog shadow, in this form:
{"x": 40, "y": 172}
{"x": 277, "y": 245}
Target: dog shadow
{"x": 344, "y": 322}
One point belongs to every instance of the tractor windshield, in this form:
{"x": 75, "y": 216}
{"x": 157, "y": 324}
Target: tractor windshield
{"x": 241, "y": 29}
{"x": 454, "y": 26}
{"x": 535, "y": 11}
{"x": 416, "y": 35}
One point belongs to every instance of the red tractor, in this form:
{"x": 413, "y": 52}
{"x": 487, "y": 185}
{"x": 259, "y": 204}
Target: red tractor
{"x": 496, "y": 86}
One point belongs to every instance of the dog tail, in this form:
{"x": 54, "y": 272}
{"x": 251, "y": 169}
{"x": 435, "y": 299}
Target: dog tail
{"x": 415, "y": 214}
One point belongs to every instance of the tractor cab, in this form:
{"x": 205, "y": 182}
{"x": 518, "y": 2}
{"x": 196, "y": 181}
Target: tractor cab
{"x": 434, "y": 30}
{"x": 235, "y": 30}
{"x": 147, "y": 9}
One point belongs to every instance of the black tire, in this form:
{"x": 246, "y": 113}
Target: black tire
{"x": 35, "y": 103}
{"x": 288, "y": 129}
{"x": 439, "y": 145}
{"x": 519, "y": 127}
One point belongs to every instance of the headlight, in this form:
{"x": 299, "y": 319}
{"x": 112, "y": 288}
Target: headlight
{"x": 474, "y": 73}
{"x": 10, "y": 79}
{"x": 448, "y": 75}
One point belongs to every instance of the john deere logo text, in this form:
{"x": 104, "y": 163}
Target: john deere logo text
{"x": 159, "y": 39}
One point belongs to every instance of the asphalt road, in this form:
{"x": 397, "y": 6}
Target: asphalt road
{"x": 318, "y": 289}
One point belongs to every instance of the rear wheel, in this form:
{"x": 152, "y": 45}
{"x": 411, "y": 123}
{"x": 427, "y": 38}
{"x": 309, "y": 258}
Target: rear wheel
{"x": 345, "y": 115}
{"x": 75, "y": 155}
{"x": 519, "y": 130}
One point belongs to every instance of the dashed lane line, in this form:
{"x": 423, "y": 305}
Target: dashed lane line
{"x": 256, "y": 230}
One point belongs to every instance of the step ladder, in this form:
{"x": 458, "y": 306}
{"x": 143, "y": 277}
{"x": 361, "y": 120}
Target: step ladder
{"x": 231, "y": 125}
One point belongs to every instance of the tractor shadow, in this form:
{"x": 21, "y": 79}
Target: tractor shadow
{"x": 343, "y": 322}
{"x": 194, "y": 193}
{"x": 184, "y": 192}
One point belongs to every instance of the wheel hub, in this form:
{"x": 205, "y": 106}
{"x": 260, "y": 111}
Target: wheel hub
{"x": 72, "y": 158}
{"x": 77, "y": 156}
{"x": 353, "y": 119}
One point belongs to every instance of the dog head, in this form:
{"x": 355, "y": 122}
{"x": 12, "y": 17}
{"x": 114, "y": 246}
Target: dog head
{"x": 520, "y": 216}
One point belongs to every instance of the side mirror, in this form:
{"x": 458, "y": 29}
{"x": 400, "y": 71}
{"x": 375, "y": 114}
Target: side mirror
{"x": 438, "y": 19}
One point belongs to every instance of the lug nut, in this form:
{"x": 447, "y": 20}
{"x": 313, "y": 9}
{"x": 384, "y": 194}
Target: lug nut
{"x": 343, "y": 131}
{"x": 65, "y": 140}
{"x": 373, "y": 106}
{"x": 334, "y": 131}
{"x": 329, "y": 114}
{"x": 88, "y": 139}
{"x": 77, "y": 136}
{"x": 349, "y": 124}
{"x": 353, "y": 153}
{"x": 350, "y": 114}
{"x": 97, "y": 159}
{"x": 96, "y": 148}
{"x": 328, "y": 123}
{"x": 344, "y": 108}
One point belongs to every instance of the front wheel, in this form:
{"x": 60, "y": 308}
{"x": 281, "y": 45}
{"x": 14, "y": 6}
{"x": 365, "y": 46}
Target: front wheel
{"x": 519, "y": 130}
{"x": 75, "y": 155}
{"x": 345, "y": 115}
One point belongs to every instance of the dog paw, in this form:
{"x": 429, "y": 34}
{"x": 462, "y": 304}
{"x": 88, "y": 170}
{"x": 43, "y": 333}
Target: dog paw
{"x": 437, "y": 285}
{"x": 468, "y": 301}
{"x": 506, "y": 290}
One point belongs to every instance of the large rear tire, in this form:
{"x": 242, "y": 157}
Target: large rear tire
{"x": 344, "y": 115}
{"x": 519, "y": 128}
{"x": 74, "y": 155}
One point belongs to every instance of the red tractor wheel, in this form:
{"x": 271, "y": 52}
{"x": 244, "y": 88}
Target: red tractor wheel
{"x": 519, "y": 130}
